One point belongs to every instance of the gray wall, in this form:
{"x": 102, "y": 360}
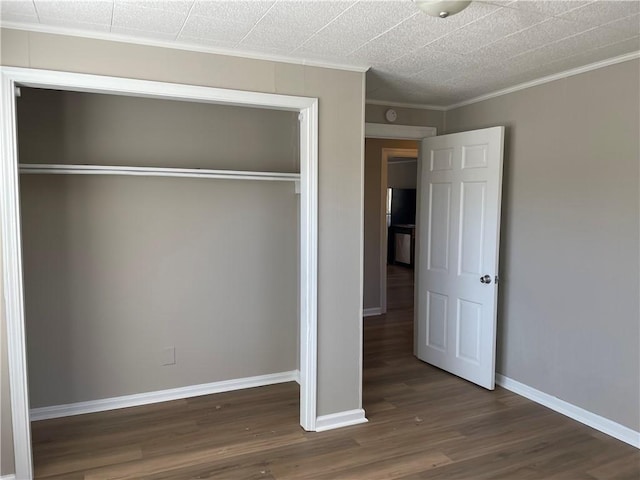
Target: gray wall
{"x": 569, "y": 315}
{"x": 373, "y": 214}
{"x": 83, "y": 128}
{"x": 569, "y": 319}
{"x": 341, "y": 110}
{"x": 402, "y": 174}
{"x": 116, "y": 269}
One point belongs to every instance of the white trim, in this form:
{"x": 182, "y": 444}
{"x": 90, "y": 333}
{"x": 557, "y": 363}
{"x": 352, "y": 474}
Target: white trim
{"x": 181, "y": 45}
{"x": 581, "y": 415}
{"x": 399, "y": 132}
{"x": 82, "y": 82}
{"x": 340, "y": 419}
{"x": 308, "y": 304}
{"x": 419, "y": 106}
{"x": 12, "y": 281}
{"x": 156, "y": 172}
{"x": 372, "y": 312}
{"x": 361, "y": 256}
{"x": 126, "y": 401}
{"x": 550, "y": 78}
{"x": 498, "y": 93}
{"x": 8, "y": 477}
{"x": 10, "y": 221}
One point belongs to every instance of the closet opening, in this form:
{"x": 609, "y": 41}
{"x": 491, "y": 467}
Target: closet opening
{"x": 165, "y": 245}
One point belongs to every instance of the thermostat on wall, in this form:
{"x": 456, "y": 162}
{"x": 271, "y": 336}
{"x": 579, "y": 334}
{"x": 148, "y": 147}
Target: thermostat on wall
{"x": 391, "y": 115}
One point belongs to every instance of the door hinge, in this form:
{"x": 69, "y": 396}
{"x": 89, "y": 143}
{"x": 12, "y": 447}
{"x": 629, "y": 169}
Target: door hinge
{"x": 17, "y": 92}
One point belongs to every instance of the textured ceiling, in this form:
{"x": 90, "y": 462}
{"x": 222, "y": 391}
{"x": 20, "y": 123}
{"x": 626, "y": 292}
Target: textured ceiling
{"x": 414, "y": 58}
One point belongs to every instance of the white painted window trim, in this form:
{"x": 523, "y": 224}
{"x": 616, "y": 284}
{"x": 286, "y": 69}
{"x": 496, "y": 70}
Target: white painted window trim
{"x": 12, "y": 77}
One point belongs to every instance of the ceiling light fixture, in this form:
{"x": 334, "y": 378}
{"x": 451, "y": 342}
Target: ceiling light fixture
{"x": 441, "y": 9}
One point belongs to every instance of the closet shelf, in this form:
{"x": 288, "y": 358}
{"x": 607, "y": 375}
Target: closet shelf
{"x": 157, "y": 172}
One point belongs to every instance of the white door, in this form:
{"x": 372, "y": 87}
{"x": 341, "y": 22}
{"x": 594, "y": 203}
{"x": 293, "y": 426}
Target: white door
{"x": 458, "y": 230}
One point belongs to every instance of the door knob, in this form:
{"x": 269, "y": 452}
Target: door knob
{"x": 485, "y": 279}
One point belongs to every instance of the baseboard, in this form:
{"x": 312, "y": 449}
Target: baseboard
{"x": 371, "y": 312}
{"x": 340, "y": 419}
{"x": 8, "y": 477}
{"x": 604, "y": 425}
{"x": 79, "y": 408}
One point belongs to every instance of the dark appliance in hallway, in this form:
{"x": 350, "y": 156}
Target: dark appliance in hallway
{"x": 401, "y": 219}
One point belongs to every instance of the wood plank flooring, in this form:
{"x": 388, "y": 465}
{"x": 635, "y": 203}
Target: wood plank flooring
{"x": 423, "y": 423}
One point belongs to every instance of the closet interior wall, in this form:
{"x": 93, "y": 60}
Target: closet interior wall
{"x": 119, "y": 268}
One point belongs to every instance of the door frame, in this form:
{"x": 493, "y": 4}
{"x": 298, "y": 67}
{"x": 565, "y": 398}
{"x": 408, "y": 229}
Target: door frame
{"x": 387, "y": 153}
{"x": 10, "y": 231}
{"x": 391, "y": 132}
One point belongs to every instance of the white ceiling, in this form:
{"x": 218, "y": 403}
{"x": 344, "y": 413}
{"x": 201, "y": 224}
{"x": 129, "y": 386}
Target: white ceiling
{"x": 414, "y": 58}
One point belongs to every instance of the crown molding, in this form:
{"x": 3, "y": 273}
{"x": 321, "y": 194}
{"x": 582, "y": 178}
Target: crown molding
{"x": 191, "y": 47}
{"x": 549, "y": 78}
{"x": 522, "y": 86}
{"x": 179, "y": 45}
{"x": 420, "y": 106}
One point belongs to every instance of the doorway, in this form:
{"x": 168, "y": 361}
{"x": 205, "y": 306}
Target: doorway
{"x": 399, "y": 186}
{"x": 398, "y": 142}
{"x": 388, "y": 286}
{"x": 379, "y": 153}
{"x": 458, "y": 210}
{"x": 394, "y": 193}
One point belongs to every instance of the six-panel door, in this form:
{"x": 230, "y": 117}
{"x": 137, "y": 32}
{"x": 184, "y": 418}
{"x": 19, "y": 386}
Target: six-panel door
{"x": 460, "y": 179}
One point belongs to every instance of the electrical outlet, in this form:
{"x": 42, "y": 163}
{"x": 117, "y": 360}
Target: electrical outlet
{"x": 168, "y": 356}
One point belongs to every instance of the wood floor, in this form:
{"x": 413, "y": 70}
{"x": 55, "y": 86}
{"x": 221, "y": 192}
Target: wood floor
{"x": 423, "y": 423}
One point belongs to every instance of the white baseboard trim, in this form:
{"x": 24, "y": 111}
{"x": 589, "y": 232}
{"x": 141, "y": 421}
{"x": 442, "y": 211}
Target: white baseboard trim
{"x": 8, "y": 477}
{"x": 92, "y": 406}
{"x": 340, "y": 419}
{"x": 371, "y": 312}
{"x": 604, "y": 425}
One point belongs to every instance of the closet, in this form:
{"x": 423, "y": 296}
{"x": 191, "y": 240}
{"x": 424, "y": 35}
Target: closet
{"x": 160, "y": 243}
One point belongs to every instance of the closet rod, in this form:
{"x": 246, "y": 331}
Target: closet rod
{"x": 158, "y": 172}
